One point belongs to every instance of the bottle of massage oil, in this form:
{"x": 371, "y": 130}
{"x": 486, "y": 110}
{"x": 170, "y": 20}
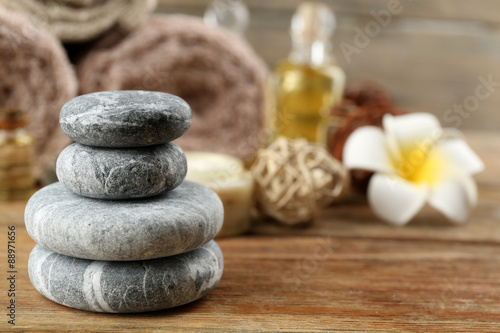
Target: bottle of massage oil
{"x": 16, "y": 156}
{"x": 309, "y": 83}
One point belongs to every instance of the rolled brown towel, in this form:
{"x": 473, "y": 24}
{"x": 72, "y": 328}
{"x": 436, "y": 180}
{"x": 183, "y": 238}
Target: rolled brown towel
{"x": 82, "y": 20}
{"x": 217, "y": 73}
{"x": 35, "y": 76}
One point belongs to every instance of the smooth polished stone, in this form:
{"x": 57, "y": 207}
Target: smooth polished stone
{"x": 124, "y": 287}
{"x": 121, "y": 173}
{"x": 129, "y": 118}
{"x": 173, "y": 222}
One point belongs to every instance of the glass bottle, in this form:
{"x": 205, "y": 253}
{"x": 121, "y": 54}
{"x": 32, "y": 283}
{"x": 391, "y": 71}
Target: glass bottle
{"x": 232, "y": 15}
{"x": 16, "y": 156}
{"x": 309, "y": 83}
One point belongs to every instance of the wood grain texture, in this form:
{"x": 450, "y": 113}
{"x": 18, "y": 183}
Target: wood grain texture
{"x": 346, "y": 273}
{"x": 429, "y": 56}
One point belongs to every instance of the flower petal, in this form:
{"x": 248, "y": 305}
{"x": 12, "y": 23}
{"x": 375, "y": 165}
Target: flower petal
{"x": 365, "y": 149}
{"x": 395, "y": 200}
{"x": 460, "y": 155}
{"x": 412, "y": 129}
{"x": 470, "y": 188}
{"x": 454, "y": 198}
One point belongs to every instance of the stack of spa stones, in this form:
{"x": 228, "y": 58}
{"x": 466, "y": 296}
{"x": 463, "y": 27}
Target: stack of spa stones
{"x": 122, "y": 231}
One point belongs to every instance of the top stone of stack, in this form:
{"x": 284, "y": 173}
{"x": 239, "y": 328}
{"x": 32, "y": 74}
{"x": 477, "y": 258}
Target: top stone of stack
{"x": 119, "y": 119}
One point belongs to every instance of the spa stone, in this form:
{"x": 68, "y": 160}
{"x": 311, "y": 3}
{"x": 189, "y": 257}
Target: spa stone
{"x": 125, "y": 118}
{"x": 121, "y": 173}
{"x": 173, "y": 222}
{"x": 124, "y": 287}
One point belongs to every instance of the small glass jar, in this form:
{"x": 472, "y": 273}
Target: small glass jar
{"x": 17, "y": 179}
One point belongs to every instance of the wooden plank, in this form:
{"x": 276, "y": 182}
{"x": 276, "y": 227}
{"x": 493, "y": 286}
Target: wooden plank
{"x": 426, "y": 65}
{"x": 348, "y": 272}
{"x": 429, "y": 57}
{"x": 309, "y": 284}
{"x": 424, "y": 76}
{"x": 339, "y": 221}
{"x": 466, "y": 10}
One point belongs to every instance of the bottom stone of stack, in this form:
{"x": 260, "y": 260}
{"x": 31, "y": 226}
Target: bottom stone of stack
{"x": 125, "y": 287}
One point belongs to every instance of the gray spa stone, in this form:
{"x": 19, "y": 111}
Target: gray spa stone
{"x": 121, "y": 173}
{"x": 123, "y": 287}
{"x": 130, "y": 118}
{"x": 173, "y": 222}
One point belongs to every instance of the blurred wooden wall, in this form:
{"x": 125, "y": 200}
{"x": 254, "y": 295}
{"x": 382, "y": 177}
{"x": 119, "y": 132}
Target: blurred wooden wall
{"x": 431, "y": 56}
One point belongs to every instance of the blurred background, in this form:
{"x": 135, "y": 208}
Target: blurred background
{"x": 263, "y": 77}
{"x": 429, "y": 56}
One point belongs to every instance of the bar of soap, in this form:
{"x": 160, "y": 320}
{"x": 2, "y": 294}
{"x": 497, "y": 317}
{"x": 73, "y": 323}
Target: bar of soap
{"x": 226, "y": 176}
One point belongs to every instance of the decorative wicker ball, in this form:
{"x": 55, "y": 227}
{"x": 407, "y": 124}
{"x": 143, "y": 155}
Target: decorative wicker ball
{"x": 294, "y": 178}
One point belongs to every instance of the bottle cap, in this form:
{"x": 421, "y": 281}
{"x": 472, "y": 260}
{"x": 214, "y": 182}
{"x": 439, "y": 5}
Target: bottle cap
{"x": 230, "y": 14}
{"x": 12, "y": 118}
{"x": 312, "y": 21}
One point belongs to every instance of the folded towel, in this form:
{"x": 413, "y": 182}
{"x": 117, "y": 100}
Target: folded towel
{"x": 81, "y": 20}
{"x": 35, "y": 76}
{"x": 217, "y": 73}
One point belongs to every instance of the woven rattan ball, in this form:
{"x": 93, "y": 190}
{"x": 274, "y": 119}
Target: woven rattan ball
{"x": 294, "y": 178}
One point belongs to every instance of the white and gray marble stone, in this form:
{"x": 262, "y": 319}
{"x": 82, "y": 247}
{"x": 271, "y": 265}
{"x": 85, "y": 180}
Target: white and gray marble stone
{"x": 124, "y": 287}
{"x": 130, "y": 118}
{"x": 121, "y": 173}
{"x": 173, "y": 222}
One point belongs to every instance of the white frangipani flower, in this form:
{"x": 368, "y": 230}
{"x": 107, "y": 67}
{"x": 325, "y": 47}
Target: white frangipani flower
{"x": 415, "y": 162}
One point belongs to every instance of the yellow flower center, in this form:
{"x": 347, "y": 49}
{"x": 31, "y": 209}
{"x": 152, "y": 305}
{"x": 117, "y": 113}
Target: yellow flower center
{"x": 419, "y": 165}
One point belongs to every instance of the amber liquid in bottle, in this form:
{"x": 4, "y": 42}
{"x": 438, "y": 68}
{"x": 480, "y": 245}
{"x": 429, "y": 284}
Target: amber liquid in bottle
{"x": 16, "y": 156}
{"x": 304, "y": 98}
{"x": 309, "y": 83}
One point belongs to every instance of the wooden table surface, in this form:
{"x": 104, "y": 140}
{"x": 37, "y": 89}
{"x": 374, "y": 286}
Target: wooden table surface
{"x": 348, "y": 272}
